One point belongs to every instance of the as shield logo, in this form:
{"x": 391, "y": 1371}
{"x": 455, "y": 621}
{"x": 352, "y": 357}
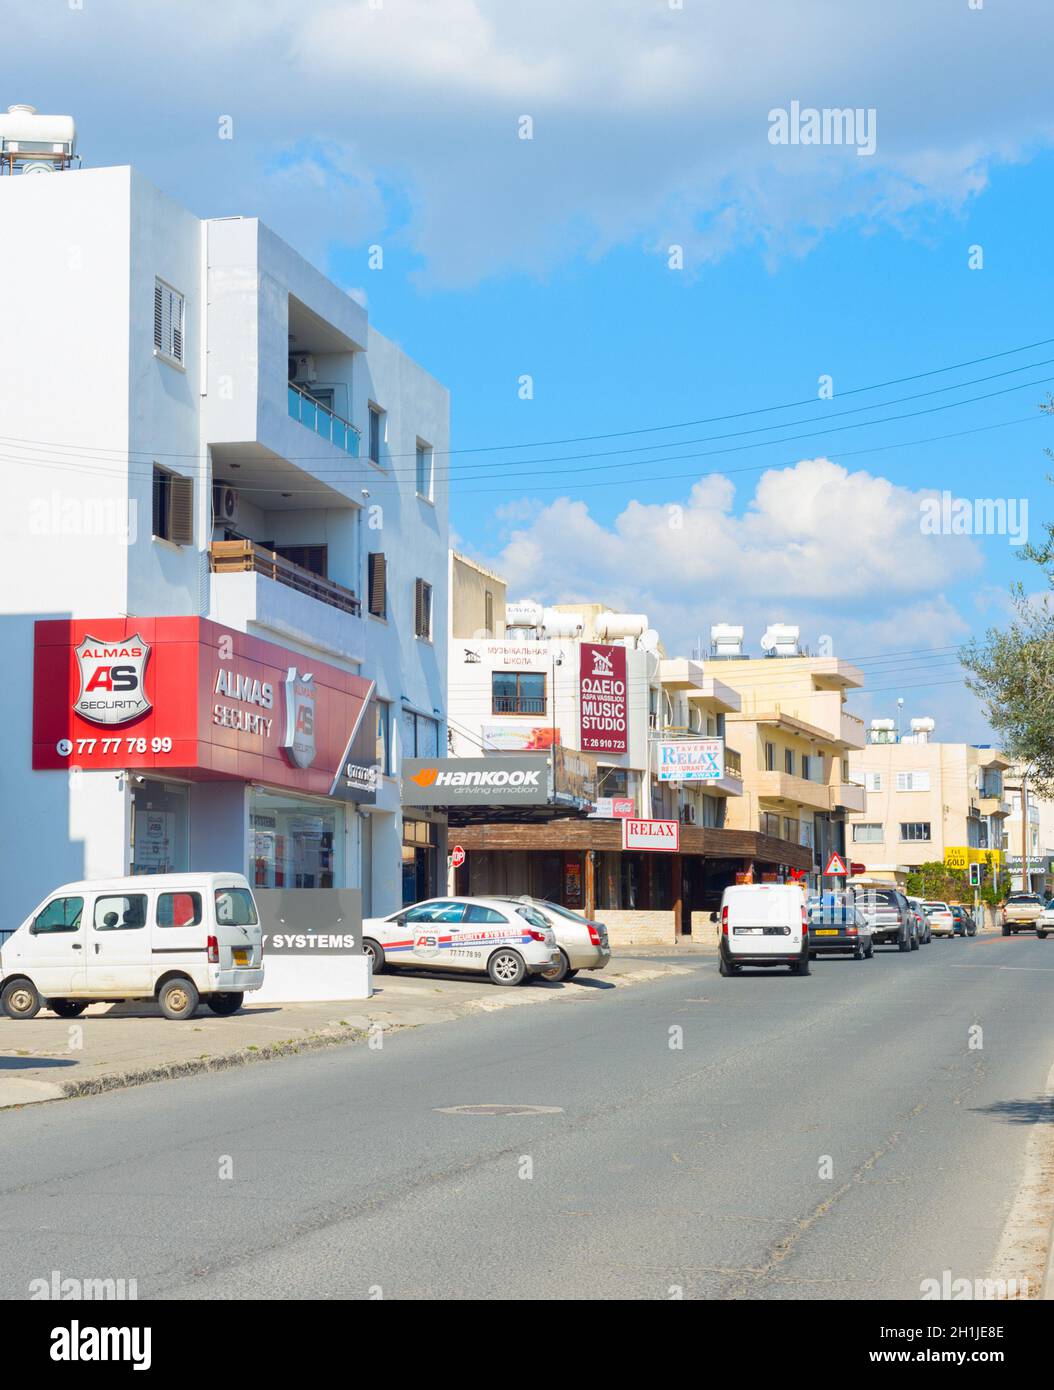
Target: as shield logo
{"x": 112, "y": 674}
{"x": 299, "y": 740}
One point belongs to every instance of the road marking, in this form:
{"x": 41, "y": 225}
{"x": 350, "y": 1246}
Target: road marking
{"x": 498, "y": 1109}
{"x": 1025, "y": 1247}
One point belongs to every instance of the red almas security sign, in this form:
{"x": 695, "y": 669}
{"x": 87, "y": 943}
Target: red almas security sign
{"x": 200, "y": 701}
{"x": 602, "y": 695}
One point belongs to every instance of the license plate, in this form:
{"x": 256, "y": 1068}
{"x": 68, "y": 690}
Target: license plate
{"x": 241, "y": 957}
{"x": 826, "y": 931}
{"x": 747, "y": 931}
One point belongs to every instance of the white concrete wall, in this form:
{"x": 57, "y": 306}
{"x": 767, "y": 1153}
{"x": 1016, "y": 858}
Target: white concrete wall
{"x": 89, "y": 408}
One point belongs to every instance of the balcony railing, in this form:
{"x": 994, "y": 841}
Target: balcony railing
{"x": 523, "y": 704}
{"x": 233, "y": 557}
{"x": 317, "y": 417}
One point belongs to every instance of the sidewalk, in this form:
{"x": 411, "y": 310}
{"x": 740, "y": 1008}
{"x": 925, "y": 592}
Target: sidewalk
{"x": 112, "y": 1046}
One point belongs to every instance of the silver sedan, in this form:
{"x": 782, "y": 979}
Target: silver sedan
{"x": 583, "y": 943}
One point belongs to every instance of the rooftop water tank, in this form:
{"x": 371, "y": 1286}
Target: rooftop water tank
{"x": 526, "y": 613}
{"x": 609, "y": 627}
{"x": 562, "y": 624}
{"x": 35, "y": 144}
{"x": 781, "y": 639}
{"x": 726, "y": 640}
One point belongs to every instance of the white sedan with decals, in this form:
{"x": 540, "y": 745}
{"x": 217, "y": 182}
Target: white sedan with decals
{"x": 509, "y": 941}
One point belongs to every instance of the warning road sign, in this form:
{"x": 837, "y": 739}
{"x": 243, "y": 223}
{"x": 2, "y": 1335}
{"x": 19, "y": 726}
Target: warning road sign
{"x": 835, "y": 866}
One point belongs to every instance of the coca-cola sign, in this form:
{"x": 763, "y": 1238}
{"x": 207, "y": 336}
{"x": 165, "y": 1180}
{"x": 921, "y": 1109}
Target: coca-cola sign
{"x": 604, "y": 724}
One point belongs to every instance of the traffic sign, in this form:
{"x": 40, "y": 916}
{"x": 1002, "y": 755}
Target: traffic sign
{"x": 835, "y": 865}
{"x": 457, "y": 857}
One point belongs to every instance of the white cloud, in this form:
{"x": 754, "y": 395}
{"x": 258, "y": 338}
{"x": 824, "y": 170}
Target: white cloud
{"x": 650, "y": 124}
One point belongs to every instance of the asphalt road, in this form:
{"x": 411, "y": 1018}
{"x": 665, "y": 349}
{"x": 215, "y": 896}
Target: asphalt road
{"x": 697, "y": 1168}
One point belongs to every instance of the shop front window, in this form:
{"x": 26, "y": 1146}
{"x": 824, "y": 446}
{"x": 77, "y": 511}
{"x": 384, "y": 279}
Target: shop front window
{"x": 295, "y": 843}
{"x": 160, "y": 821}
{"x": 419, "y": 860}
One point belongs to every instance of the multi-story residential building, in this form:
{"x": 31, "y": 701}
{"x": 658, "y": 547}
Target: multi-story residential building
{"x": 1038, "y": 843}
{"x": 926, "y": 801}
{"x": 477, "y": 599}
{"x": 659, "y": 755}
{"x": 220, "y": 500}
{"x": 794, "y": 737}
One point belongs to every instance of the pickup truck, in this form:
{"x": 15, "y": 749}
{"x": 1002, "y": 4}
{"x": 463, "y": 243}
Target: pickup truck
{"x": 1021, "y": 912}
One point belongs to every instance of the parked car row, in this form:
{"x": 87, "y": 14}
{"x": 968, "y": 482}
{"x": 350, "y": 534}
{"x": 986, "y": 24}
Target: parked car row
{"x": 510, "y": 939}
{"x": 772, "y": 924}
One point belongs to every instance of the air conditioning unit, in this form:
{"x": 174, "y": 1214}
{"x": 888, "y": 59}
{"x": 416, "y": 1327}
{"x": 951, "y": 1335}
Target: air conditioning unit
{"x": 302, "y": 368}
{"x": 224, "y": 504}
{"x": 688, "y": 814}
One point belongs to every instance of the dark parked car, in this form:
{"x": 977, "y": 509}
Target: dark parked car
{"x": 890, "y": 917}
{"x": 964, "y": 922}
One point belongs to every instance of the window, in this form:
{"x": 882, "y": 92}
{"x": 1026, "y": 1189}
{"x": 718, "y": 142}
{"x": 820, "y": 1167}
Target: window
{"x": 788, "y": 761}
{"x": 770, "y": 824}
{"x": 518, "y": 692}
{"x": 913, "y": 782}
{"x": 384, "y": 737}
{"x": 420, "y": 736}
{"x": 61, "y": 914}
{"x": 868, "y": 833}
{"x": 915, "y": 830}
{"x": 770, "y": 757}
{"x": 488, "y": 613}
{"x": 377, "y": 584}
{"x": 122, "y": 912}
{"x": 179, "y": 910}
{"x": 169, "y": 310}
{"x": 235, "y": 908}
{"x": 376, "y": 433}
{"x": 422, "y": 610}
{"x": 871, "y": 781}
{"x": 806, "y": 837}
{"x": 314, "y": 558}
{"x": 436, "y": 912}
{"x": 475, "y": 912}
{"x": 791, "y": 827}
{"x": 613, "y": 781}
{"x": 806, "y": 766}
{"x": 173, "y": 507}
{"x": 424, "y": 470}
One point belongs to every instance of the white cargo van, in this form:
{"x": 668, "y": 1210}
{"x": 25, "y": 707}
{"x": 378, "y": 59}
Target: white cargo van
{"x": 764, "y": 924}
{"x": 176, "y": 938}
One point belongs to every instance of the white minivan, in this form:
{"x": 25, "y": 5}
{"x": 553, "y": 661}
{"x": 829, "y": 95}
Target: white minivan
{"x": 176, "y": 938}
{"x": 764, "y": 924}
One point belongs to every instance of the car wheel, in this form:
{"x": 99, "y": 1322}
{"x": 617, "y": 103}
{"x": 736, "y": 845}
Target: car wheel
{"x": 870, "y": 952}
{"x": 914, "y": 941}
{"x": 20, "y": 999}
{"x": 571, "y": 974}
{"x": 506, "y": 968}
{"x": 177, "y": 998}
{"x": 67, "y": 1008}
{"x": 372, "y": 951}
{"x": 224, "y": 1004}
{"x": 858, "y": 953}
{"x": 801, "y": 968}
{"x": 558, "y": 972}
{"x": 903, "y": 943}
{"x": 1041, "y": 934}
{"x": 1006, "y": 931}
{"x": 724, "y": 967}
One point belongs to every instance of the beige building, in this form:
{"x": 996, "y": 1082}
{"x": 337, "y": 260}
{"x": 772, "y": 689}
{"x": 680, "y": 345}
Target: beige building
{"x": 477, "y": 599}
{"x": 926, "y": 801}
{"x": 794, "y": 735}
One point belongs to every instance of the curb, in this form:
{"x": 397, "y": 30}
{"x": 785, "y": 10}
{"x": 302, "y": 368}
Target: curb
{"x": 169, "y": 1071}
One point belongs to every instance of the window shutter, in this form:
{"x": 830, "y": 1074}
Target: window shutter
{"x": 159, "y": 316}
{"x": 422, "y": 605}
{"x": 377, "y": 583}
{"x": 181, "y": 510}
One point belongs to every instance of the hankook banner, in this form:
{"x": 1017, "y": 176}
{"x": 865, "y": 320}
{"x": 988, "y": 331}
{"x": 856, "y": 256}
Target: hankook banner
{"x": 604, "y": 724}
{"x": 505, "y": 780}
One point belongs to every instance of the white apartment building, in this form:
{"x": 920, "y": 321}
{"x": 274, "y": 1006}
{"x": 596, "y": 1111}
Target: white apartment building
{"x": 217, "y": 469}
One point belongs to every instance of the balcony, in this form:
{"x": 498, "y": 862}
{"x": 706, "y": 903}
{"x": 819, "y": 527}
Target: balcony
{"x": 789, "y": 790}
{"x": 321, "y": 421}
{"x": 993, "y": 806}
{"x": 848, "y": 796}
{"x": 852, "y": 731}
{"x": 253, "y": 588}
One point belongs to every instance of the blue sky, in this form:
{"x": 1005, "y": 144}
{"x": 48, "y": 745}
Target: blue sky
{"x": 397, "y": 124}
